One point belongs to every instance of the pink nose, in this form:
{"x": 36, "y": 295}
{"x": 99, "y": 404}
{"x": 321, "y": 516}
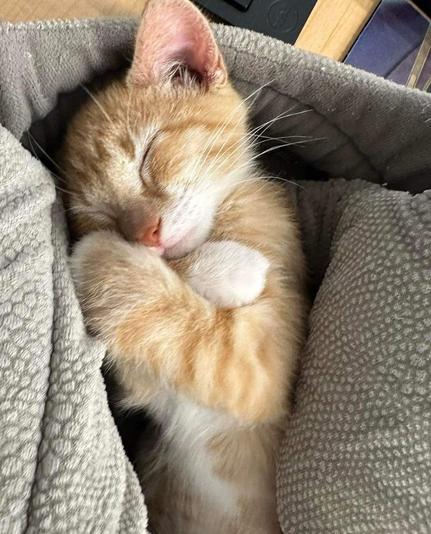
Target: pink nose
{"x": 149, "y": 235}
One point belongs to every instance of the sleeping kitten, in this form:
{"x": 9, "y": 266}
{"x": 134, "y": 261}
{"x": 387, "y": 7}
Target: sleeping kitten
{"x": 190, "y": 269}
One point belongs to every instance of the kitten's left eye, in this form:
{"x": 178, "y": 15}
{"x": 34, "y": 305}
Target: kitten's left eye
{"x": 144, "y": 162}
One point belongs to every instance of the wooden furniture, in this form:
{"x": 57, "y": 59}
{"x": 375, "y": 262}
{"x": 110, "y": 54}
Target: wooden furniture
{"x": 334, "y": 25}
{"x": 330, "y": 30}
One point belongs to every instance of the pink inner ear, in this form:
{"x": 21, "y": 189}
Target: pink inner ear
{"x": 174, "y": 31}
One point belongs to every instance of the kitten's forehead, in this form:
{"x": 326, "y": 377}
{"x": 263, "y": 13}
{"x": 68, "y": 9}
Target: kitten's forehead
{"x": 196, "y": 134}
{"x": 188, "y": 131}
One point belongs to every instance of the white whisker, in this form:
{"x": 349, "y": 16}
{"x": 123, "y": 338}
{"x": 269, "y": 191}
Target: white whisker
{"x": 98, "y": 104}
{"x": 248, "y": 139}
{"x": 31, "y": 140}
{"x": 221, "y": 128}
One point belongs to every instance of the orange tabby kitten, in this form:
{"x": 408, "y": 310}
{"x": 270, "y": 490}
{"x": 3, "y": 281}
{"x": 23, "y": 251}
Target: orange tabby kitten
{"x": 190, "y": 269}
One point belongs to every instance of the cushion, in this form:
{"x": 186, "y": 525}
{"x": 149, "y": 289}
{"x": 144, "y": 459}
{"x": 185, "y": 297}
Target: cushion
{"x": 357, "y": 453}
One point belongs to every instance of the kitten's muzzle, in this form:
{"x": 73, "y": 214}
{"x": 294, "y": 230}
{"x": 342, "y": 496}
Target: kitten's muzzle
{"x": 149, "y": 235}
{"x": 140, "y": 227}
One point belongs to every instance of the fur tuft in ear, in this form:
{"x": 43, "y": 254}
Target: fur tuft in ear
{"x": 173, "y": 34}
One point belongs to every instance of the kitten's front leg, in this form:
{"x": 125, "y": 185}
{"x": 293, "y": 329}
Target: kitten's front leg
{"x": 227, "y": 273}
{"x": 113, "y": 277}
{"x": 150, "y": 318}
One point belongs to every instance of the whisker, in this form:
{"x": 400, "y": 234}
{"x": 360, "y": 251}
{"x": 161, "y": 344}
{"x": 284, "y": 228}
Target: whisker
{"x": 222, "y": 127}
{"x": 65, "y": 191}
{"x": 248, "y": 138}
{"x": 256, "y": 92}
{"x": 249, "y": 162}
{"x": 31, "y": 140}
{"x": 298, "y": 143}
{"x": 269, "y": 138}
{"x": 98, "y": 104}
{"x": 284, "y": 180}
{"x": 277, "y": 147}
{"x": 263, "y": 127}
{"x": 281, "y": 116}
{"x": 249, "y": 134}
{"x": 285, "y": 114}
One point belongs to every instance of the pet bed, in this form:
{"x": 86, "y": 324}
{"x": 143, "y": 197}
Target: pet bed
{"x": 356, "y": 456}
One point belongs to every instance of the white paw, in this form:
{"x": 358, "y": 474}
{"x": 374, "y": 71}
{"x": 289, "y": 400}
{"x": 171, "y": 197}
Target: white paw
{"x": 228, "y": 274}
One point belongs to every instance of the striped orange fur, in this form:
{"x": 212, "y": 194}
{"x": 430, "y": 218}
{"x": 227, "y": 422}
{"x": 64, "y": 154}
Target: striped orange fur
{"x": 217, "y": 377}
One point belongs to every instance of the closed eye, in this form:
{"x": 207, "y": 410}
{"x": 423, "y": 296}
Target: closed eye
{"x": 144, "y": 162}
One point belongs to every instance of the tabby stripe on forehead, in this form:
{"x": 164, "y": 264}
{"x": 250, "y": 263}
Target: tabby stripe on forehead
{"x": 125, "y": 142}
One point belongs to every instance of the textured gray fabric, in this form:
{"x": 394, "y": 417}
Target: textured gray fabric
{"x": 357, "y": 453}
{"x": 41, "y": 60}
{"x": 62, "y": 465}
{"x": 345, "y": 467}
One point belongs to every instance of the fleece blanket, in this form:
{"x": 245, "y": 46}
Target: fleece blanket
{"x": 356, "y": 455}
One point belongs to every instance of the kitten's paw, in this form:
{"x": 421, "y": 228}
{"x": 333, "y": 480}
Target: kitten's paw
{"x": 97, "y": 254}
{"x": 228, "y": 273}
{"x": 106, "y": 269}
{"x": 87, "y": 254}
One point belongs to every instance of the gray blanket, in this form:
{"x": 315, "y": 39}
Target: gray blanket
{"x": 357, "y": 452}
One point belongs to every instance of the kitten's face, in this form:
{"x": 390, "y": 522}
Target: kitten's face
{"x": 155, "y": 163}
{"x": 151, "y": 157}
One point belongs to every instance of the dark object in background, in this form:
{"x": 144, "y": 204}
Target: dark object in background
{"x": 396, "y": 44}
{"x": 424, "y": 6}
{"x": 282, "y": 19}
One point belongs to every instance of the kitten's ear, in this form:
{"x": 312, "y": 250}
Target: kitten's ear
{"x": 172, "y": 33}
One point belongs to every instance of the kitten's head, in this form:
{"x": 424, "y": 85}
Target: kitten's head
{"x": 153, "y": 156}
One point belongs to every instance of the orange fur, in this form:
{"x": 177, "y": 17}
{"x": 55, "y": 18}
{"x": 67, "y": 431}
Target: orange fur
{"x": 218, "y": 378}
